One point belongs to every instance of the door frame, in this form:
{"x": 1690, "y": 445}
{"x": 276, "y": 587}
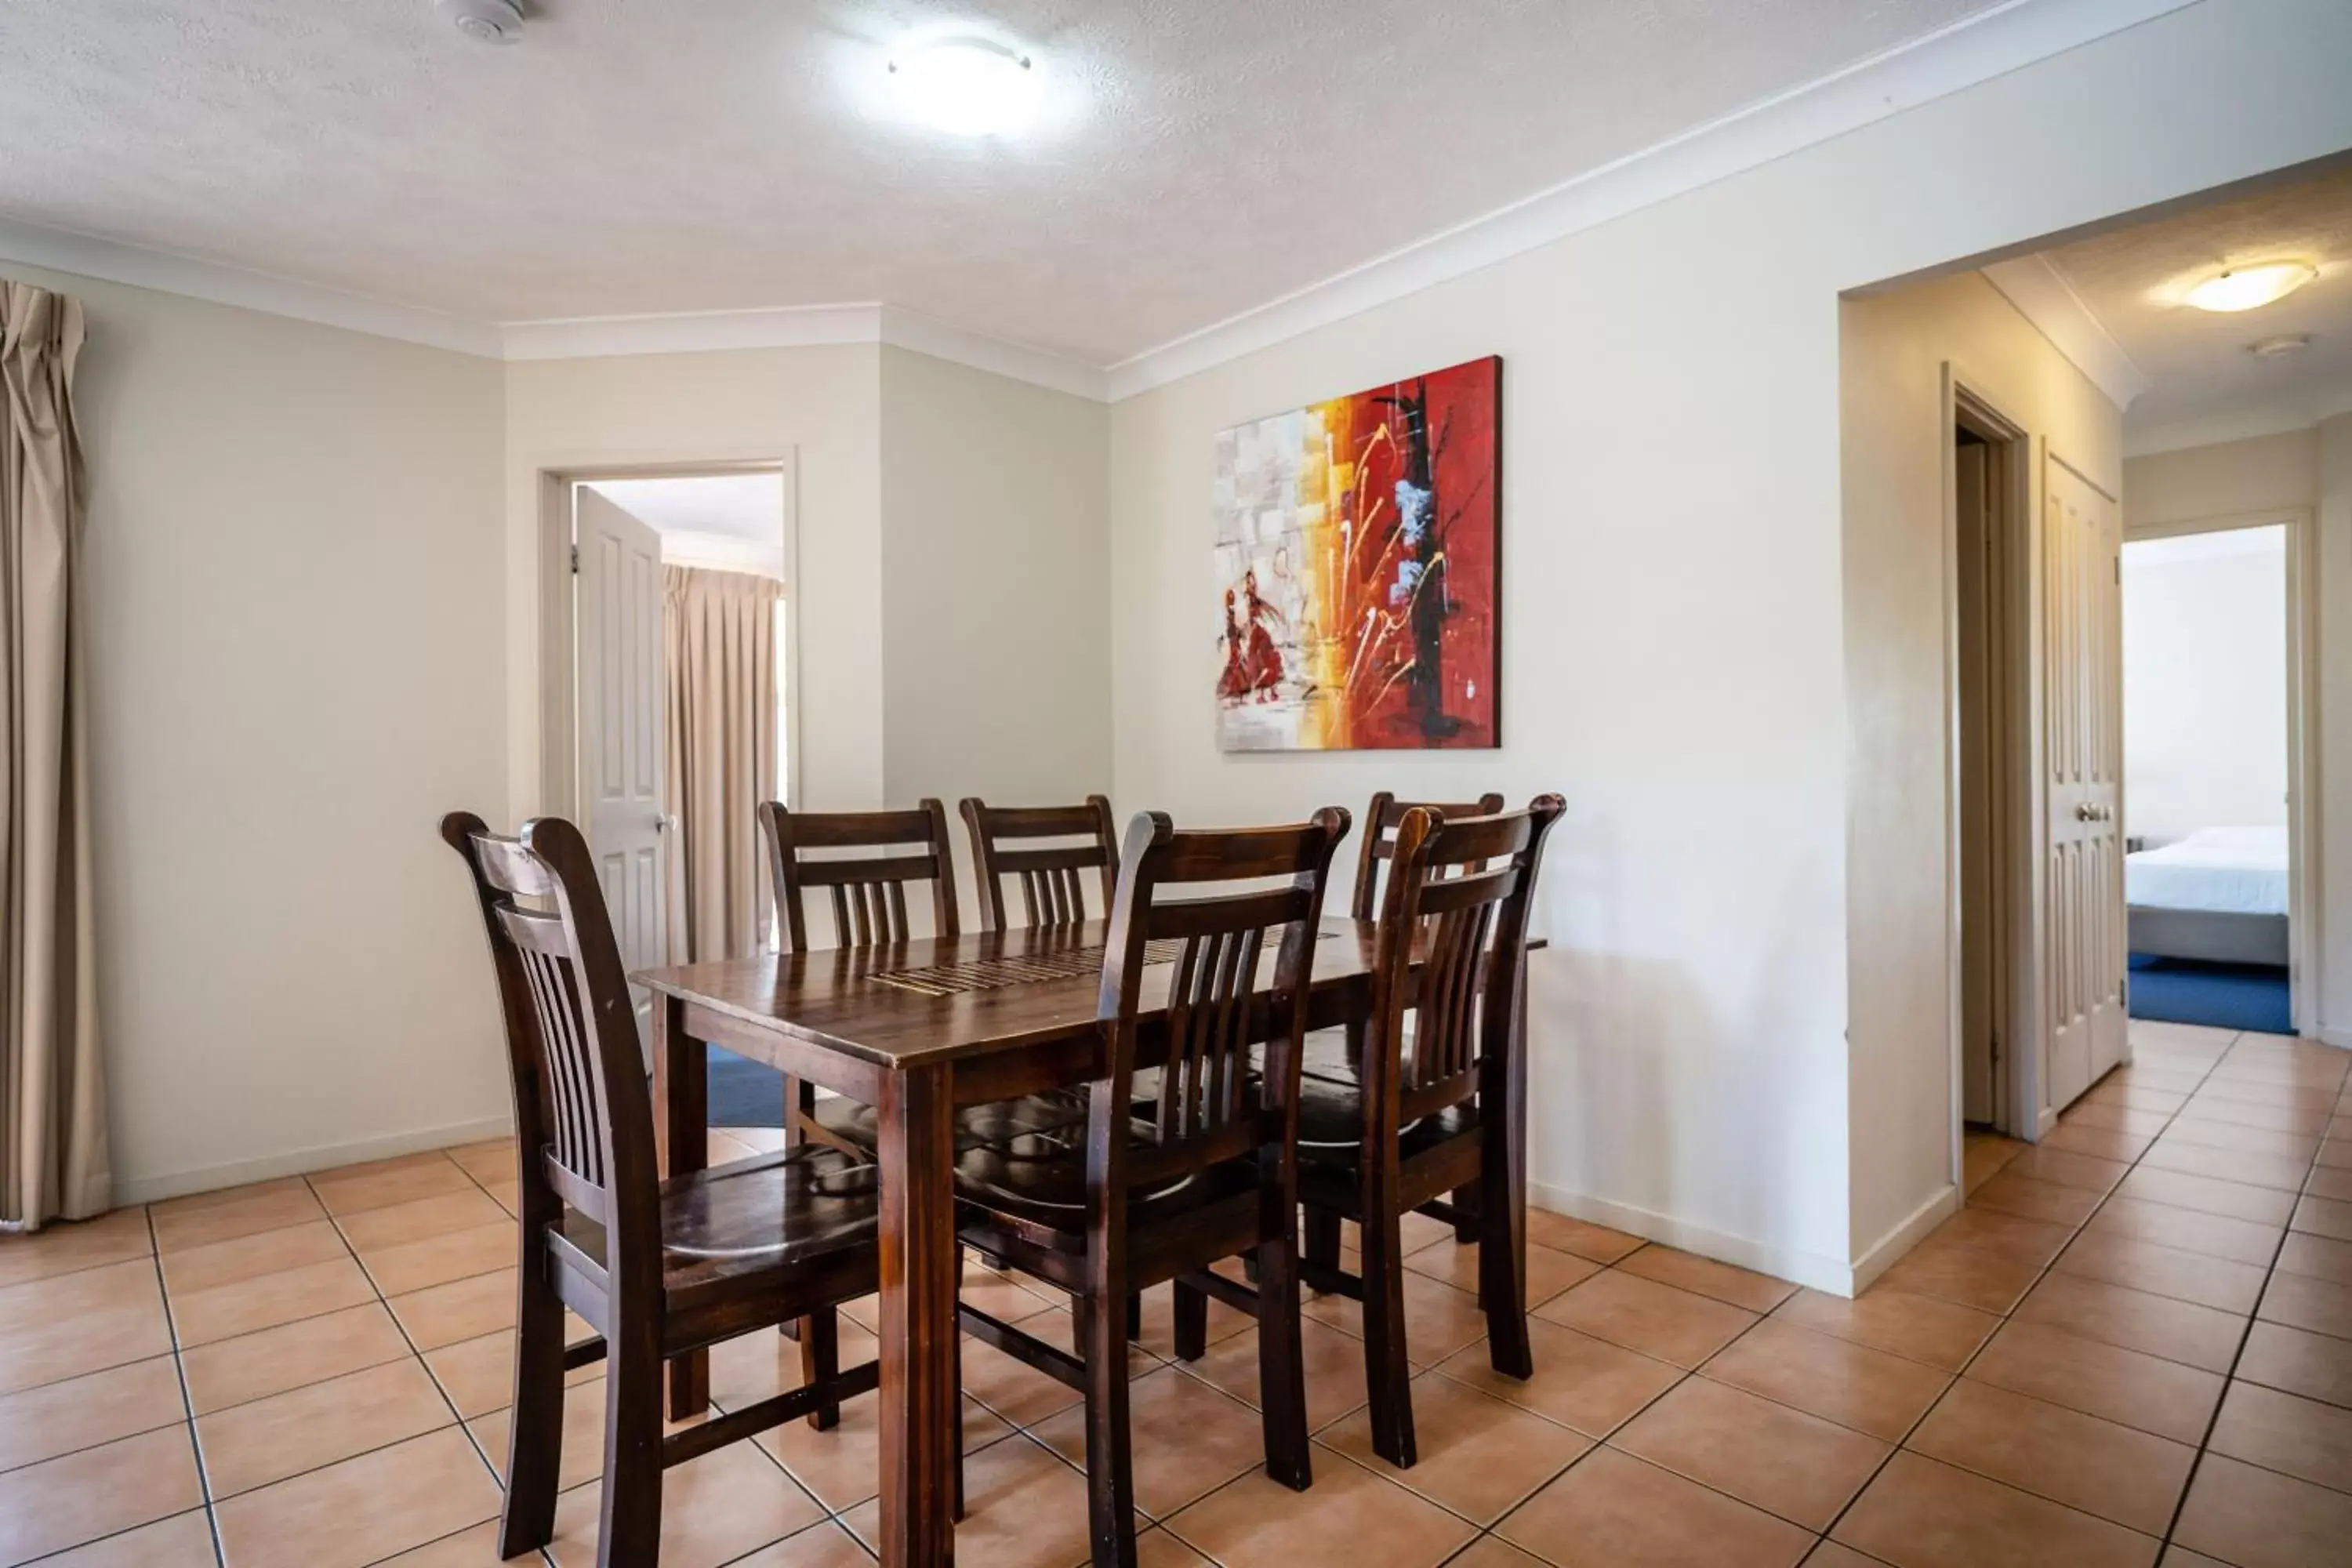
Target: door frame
{"x": 558, "y": 694}
{"x": 2009, "y": 490}
{"x": 2302, "y": 850}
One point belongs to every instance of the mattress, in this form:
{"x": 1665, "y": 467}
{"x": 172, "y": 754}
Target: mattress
{"x": 2221, "y": 870}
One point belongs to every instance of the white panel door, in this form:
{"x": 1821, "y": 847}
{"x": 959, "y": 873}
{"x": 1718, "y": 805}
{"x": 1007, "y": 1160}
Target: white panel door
{"x": 622, "y": 746}
{"x": 2084, "y": 934}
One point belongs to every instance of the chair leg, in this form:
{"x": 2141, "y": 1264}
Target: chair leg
{"x": 535, "y": 1435}
{"x": 1322, "y": 1237}
{"x": 1135, "y": 1317}
{"x": 1110, "y": 1466}
{"x": 1281, "y": 1366}
{"x": 1191, "y": 1321}
{"x": 820, "y": 1338}
{"x": 1387, "y": 1378}
{"x": 1503, "y": 1265}
{"x": 630, "y": 1531}
{"x": 959, "y": 1427}
{"x": 1467, "y": 1229}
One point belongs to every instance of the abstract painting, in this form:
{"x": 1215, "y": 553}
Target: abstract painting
{"x": 1358, "y": 543}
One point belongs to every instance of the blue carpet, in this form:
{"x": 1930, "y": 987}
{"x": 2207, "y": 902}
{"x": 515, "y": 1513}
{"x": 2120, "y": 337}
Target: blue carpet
{"x": 743, "y": 1093}
{"x": 2219, "y": 996}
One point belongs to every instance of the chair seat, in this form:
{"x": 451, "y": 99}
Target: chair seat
{"x": 1037, "y": 1180}
{"x": 807, "y": 1208}
{"x": 853, "y": 1124}
{"x": 1331, "y": 1123}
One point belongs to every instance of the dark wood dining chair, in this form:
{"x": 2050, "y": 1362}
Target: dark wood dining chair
{"x": 1159, "y": 1188}
{"x": 1053, "y": 877}
{"x": 658, "y": 1268}
{"x": 1438, "y": 1107}
{"x": 1381, "y": 819}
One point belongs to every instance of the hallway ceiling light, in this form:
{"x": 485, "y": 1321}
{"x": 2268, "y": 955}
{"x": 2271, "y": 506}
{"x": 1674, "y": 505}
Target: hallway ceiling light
{"x": 2249, "y": 288}
{"x": 967, "y": 86}
{"x": 2284, "y": 343}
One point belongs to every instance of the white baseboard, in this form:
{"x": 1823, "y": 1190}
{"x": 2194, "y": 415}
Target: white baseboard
{"x": 1884, "y": 1252}
{"x": 2327, "y": 1036}
{"x": 1821, "y": 1272}
{"x": 301, "y": 1162}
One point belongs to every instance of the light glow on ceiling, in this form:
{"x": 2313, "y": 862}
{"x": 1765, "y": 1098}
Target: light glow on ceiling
{"x": 2250, "y": 288}
{"x": 968, "y": 87}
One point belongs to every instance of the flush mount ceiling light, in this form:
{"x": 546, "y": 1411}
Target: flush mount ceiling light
{"x": 971, "y": 87}
{"x": 2249, "y": 288}
{"x": 484, "y": 21}
{"x": 2284, "y": 343}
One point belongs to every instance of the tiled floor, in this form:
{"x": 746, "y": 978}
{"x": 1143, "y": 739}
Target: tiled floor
{"x": 2138, "y": 1333}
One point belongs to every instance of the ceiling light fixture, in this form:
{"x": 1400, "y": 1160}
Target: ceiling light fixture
{"x": 2284, "y": 343}
{"x": 484, "y": 21}
{"x": 2249, "y": 288}
{"x": 971, "y": 87}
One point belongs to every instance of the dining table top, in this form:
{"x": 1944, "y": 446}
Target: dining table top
{"x": 936, "y": 999}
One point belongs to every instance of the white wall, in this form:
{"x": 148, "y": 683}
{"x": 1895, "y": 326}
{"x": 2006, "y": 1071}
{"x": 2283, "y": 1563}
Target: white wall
{"x": 1675, "y": 620}
{"x": 2205, "y": 682}
{"x": 296, "y": 632}
{"x": 1895, "y": 346}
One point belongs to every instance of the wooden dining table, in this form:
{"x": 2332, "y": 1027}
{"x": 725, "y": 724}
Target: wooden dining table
{"x": 916, "y": 1030}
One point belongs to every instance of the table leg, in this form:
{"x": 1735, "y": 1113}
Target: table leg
{"x": 681, "y": 1119}
{"x": 920, "y": 1401}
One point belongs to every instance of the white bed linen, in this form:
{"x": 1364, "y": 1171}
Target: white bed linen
{"x": 2233, "y": 870}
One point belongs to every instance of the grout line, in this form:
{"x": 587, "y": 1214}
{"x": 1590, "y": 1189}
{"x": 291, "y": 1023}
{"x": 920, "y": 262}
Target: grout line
{"x": 187, "y": 1401}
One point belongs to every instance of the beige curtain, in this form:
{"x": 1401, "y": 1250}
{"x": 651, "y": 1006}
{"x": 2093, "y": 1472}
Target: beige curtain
{"x": 720, "y": 629}
{"x": 53, "y": 1155}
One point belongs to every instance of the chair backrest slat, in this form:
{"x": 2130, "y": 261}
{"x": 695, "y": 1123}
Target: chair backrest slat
{"x": 1381, "y": 820}
{"x": 867, "y": 892}
{"x": 1211, "y": 1107}
{"x": 1053, "y": 878}
{"x": 583, "y": 1112}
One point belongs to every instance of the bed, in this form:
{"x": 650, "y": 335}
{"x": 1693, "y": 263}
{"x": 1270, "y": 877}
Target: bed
{"x": 2219, "y": 895}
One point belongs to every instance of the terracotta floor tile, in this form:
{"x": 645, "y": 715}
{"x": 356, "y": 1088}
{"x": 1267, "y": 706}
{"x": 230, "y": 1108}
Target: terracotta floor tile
{"x": 2324, "y": 1216}
{"x": 2123, "y": 1385}
{"x": 384, "y": 1183}
{"x": 265, "y": 1440}
{"x": 437, "y": 1260}
{"x": 182, "y": 1540}
{"x": 273, "y": 1206}
{"x": 2115, "y": 1118}
{"x": 1024, "y": 1508}
{"x": 841, "y": 1466}
{"x": 2246, "y": 1091}
{"x": 420, "y": 1218}
{"x": 1782, "y": 1460}
{"x": 2117, "y": 1315}
{"x": 756, "y": 1366}
{"x": 1189, "y": 1440}
{"x": 189, "y": 1203}
{"x": 83, "y": 1411}
{"x": 2320, "y": 1305}
{"x": 1838, "y": 1380}
{"x": 96, "y": 1492}
{"x": 2282, "y": 1432}
{"x": 69, "y": 1246}
{"x": 1438, "y": 1318}
{"x": 1477, "y": 1455}
{"x": 1970, "y": 1273}
{"x": 2116, "y": 1472}
{"x": 1004, "y": 1297}
{"x": 2317, "y": 1367}
{"x": 473, "y": 1548}
{"x": 2103, "y": 1143}
{"x": 461, "y": 1309}
{"x": 2237, "y": 1110}
{"x": 1982, "y": 1155}
{"x": 1922, "y": 1514}
{"x": 2089, "y": 1171}
{"x": 1830, "y": 1554}
{"x": 2007, "y": 1235}
{"x": 1656, "y": 1319}
{"x": 490, "y": 1160}
{"x": 2247, "y": 1140}
{"x": 1160, "y": 1321}
{"x": 1493, "y": 1551}
{"x": 2228, "y": 1165}
{"x": 249, "y": 1306}
{"x": 1349, "y": 1516}
{"x": 2255, "y": 1518}
{"x": 2033, "y": 1198}
{"x": 2181, "y": 1557}
{"x": 253, "y": 1366}
{"x": 2165, "y": 1271}
{"x": 2188, "y": 1229}
{"x": 827, "y": 1545}
{"x": 1597, "y": 1242}
{"x": 1580, "y": 1381}
{"x": 1611, "y": 1510}
{"x": 362, "y": 1509}
{"x": 1550, "y": 1270}
{"x": 1920, "y": 1328}
{"x": 219, "y": 1263}
{"x": 584, "y": 1431}
{"x": 715, "y": 1508}
{"x": 2327, "y": 1182}
{"x": 2142, "y": 1092}
{"x": 68, "y": 1324}
{"x": 476, "y": 1375}
{"x": 1706, "y": 1276}
{"x": 2207, "y": 1195}
{"x": 1334, "y": 1367}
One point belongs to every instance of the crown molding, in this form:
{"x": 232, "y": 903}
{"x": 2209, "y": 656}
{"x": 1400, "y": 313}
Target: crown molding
{"x": 2043, "y": 297}
{"x": 1974, "y": 49}
{"x": 691, "y": 332}
{"x": 2239, "y": 423}
{"x": 922, "y": 334}
{"x": 84, "y": 255}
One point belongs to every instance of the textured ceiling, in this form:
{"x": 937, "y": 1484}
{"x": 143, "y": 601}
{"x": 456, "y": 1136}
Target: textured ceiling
{"x": 1195, "y": 158}
{"x": 736, "y": 506}
{"x": 2196, "y": 362}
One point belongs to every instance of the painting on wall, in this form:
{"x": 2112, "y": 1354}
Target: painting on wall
{"x": 1358, "y": 543}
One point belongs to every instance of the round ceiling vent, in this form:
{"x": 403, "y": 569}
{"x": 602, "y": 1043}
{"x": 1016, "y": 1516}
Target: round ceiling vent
{"x": 484, "y": 21}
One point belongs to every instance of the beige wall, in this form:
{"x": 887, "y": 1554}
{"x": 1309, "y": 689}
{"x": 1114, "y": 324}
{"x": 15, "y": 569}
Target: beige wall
{"x": 994, "y": 560}
{"x": 1895, "y": 347}
{"x": 1681, "y": 622}
{"x": 296, "y": 636}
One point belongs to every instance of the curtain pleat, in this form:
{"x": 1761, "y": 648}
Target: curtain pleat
{"x": 54, "y": 1161}
{"x": 720, "y": 632}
